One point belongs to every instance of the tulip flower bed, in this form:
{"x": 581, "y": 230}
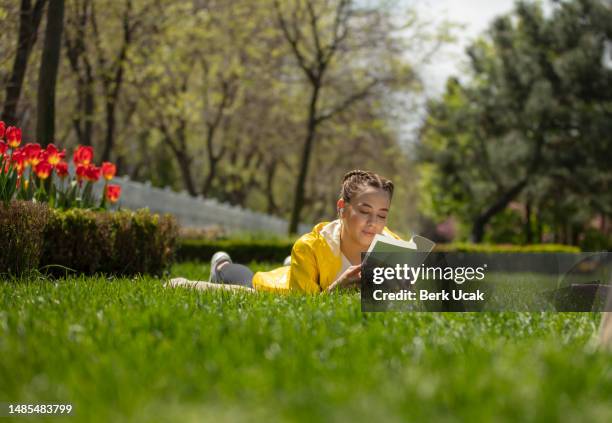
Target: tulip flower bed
{"x": 51, "y": 220}
{"x": 33, "y": 173}
{"x": 132, "y": 350}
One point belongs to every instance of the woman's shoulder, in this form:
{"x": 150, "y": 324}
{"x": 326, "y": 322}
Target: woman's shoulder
{"x": 310, "y": 239}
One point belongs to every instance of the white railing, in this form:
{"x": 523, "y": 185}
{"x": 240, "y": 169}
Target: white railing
{"x": 196, "y": 211}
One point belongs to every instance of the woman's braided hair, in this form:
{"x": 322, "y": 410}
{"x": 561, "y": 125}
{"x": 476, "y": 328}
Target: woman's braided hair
{"x": 357, "y": 179}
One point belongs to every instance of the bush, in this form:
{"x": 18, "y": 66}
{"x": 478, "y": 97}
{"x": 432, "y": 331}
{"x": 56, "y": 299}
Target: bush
{"x": 144, "y": 243}
{"x": 506, "y": 227}
{"x": 77, "y": 239}
{"x": 594, "y": 240}
{"x": 121, "y": 243}
{"x": 505, "y": 248}
{"x": 241, "y": 251}
{"x": 22, "y": 225}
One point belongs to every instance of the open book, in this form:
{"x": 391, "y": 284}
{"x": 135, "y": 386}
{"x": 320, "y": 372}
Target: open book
{"x": 386, "y": 249}
{"x": 385, "y": 244}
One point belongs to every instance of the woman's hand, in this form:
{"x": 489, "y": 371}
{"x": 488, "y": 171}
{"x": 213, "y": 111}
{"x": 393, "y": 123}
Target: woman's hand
{"x": 349, "y": 279}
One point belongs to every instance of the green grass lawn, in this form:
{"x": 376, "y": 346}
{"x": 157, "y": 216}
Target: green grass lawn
{"x": 121, "y": 349}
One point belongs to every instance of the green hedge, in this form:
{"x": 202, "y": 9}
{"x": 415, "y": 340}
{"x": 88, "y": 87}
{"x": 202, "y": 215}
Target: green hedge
{"x": 243, "y": 251}
{"x": 85, "y": 241}
{"x": 22, "y": 226}
{"x": 505, "y": 248}
{"x": 121, "y": 243}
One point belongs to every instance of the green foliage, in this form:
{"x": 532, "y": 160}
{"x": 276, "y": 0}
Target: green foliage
{"x": 22, "y": 227}
{"x": 123, "y": 242}
{"x": 85, "y": 241}
{"x": 464, "y": 247}
{"x": 144, "y": 243}
{"x": 507, "y": 227}
{"x": 530, "y": 124}
{"x": 78, "y": 240}
{"x": 241, "y": 251}
{"x": 246, "y": 251}
{"x": 594, "y": 240}
{"x": 8, "y": 179}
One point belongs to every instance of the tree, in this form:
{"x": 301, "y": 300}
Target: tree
{"x": 75, "y": 46}
{"x": 326, "y": 33}
{"x": 532, "y": 115}
{"x": 111, "y": 67}
{"x": 29, "y": 20}
{"x": 45, "y": 124}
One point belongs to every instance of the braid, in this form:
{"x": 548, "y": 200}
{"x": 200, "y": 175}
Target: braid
{"x": 357, "y": 179}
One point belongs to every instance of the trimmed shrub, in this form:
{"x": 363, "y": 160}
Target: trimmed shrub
{"x": 22, "y": 225}
{"x": 78, "y": 239}
{"x": 241, "y": 251}
{"x": 143, "y": 243}
{"x": 122, "y": 243}
{"x": 505, "y": 248}
{"x": 594, "y": 240}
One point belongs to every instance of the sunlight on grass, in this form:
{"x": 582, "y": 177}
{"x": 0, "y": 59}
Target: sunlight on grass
{"x": 133, "y": 350}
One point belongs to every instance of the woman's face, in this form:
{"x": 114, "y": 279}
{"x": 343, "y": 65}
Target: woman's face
{"x": 365, "y": 215}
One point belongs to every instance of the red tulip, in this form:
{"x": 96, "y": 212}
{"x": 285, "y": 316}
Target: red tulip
{"x": 43, "y": 170}
{"x": 80, "y": 172}
{"x": 3, "y": 146}
{"x": 13, "y": 136}
{"x": 54, "y": 155}
{"x": 92, "y": 173}
{"x": 108, "y": 170}
{"x": 31, "y": 151}
{"x": 2, "y": 128}
{"x": 61, "y": 169}
{"x": 43, "y": 156}
{"x": 83, "y": 155}
{"x": 19, "y": 160}
{"x": 113, "y": 192}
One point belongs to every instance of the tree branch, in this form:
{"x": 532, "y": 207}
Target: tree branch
{"x": 293, "y": 43}
{"x": 347, "y": 102}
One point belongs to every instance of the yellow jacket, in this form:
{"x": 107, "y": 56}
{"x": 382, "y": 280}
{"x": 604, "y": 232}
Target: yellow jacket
{"x": 315, "y": 262}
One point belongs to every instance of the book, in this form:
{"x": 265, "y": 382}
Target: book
{"x": 385, "y": 244}
{"x": 389, "y": 250}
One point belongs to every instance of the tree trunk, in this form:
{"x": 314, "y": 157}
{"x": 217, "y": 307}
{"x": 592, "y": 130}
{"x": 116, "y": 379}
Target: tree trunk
{"x": 272, "y": 208}
{"x": 210, "y": 176}
{"x": 110, "y": 129}
{"x": 45, "y": 125}
{"x": 76, "y": 52}
{"x": 481, "y": 221}
{"x": 311, "y": 129}
{"x": 185, "y": 166}
{"x": 539, "y": 225}
{"x": 89, "y": 106}
{"x": 29, "y": 20}
{"x": 528, "y": 229}
{"x": 83, "y": 121}
{"x": 112, "y": 94}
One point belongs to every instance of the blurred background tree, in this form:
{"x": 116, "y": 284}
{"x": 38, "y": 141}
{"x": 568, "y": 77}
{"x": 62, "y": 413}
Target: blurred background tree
{"x": 529, "y": 128}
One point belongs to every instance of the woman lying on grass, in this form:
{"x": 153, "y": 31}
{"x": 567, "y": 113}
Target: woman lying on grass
{"x": 327, "y": 258}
